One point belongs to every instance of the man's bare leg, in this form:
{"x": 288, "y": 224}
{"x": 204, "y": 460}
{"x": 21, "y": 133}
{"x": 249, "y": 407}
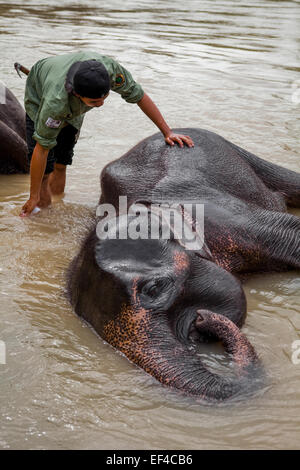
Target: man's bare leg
{"x": 45, "y": 193}
{"x": 57, "y": 180}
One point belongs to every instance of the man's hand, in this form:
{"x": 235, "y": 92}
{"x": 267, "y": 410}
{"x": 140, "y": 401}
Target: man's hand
{"x": 29, "y": 206}
{"x": 179, "y": 139}
{"x": 37, "y": 170}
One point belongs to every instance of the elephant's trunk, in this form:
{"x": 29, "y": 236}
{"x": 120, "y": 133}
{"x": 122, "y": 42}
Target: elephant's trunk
{"x": 234, "y": 341}
{"x": 147, "y": 339}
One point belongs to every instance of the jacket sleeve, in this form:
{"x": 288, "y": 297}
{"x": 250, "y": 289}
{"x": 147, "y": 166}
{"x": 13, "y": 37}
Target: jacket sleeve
{"x": 47, "y": 126}
{"x": 123, "y": 83}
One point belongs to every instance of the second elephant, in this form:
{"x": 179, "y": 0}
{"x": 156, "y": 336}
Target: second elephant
{"x": 13, "y": 149}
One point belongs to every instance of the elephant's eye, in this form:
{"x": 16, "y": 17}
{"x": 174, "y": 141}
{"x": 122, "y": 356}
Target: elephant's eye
{"x": 154, "y": 288}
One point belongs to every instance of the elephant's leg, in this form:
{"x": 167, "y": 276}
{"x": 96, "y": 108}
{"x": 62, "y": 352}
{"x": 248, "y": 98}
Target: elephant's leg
{"x": 275, "y": 177}
{"x": 278, "y": 237}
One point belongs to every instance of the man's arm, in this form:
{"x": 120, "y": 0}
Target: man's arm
{"x": 153, "y": 113}
{"x": 37, "y": 170}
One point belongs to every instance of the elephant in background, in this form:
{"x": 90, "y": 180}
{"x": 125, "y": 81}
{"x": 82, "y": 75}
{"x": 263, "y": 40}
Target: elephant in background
{"x": 152, "y": 299}
{"x": 13, "y": 149}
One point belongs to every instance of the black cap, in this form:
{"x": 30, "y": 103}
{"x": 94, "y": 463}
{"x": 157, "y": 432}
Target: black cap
{"x": 88, "y": 78}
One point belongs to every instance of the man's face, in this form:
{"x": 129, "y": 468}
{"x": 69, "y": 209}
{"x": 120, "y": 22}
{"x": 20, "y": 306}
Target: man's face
{"x": 92, "y": 102}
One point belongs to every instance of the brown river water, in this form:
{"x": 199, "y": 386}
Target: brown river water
{"x": 228, "y": 66}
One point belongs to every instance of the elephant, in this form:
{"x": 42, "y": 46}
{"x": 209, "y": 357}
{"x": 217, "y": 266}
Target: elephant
{"x": 155, "y": 299}
{"x": 13, "y": 151}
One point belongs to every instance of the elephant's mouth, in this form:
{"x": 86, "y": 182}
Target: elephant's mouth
{"x": 204, "y": 326}
{"x": 243, "y": 375}
{"x": 235, "y": 343}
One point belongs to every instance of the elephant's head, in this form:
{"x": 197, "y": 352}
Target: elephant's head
{"x": 151, "y": 299}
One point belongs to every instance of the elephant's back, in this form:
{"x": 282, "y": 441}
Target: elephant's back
{"x": 210, "y": 170}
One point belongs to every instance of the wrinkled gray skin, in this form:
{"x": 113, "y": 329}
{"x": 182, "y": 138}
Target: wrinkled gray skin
{"x": 13, "y": 149}
{"x": 153, "y": 299}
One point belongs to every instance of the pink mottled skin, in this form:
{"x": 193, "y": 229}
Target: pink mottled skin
{"x": 181, "y": 262}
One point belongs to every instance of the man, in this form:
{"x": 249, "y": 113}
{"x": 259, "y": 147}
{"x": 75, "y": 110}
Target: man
{"x": 59, "y": 91}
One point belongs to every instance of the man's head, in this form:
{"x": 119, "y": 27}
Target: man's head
{"x": 89, "y": 81}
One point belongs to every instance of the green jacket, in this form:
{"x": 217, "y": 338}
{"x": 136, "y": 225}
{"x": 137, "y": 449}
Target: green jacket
{"x": 50, "y": 106}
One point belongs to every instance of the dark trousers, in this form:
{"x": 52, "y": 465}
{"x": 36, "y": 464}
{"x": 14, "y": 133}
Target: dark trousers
{"x": 63, "y": 151}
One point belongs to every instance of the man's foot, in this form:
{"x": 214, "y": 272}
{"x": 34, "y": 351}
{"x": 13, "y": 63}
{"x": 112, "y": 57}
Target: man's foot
{"x": 57, "y": 179}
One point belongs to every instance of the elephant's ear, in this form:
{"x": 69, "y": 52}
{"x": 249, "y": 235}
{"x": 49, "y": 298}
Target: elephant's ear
{"x": 124, "y": 246}
{"x": 179, "y": 221}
